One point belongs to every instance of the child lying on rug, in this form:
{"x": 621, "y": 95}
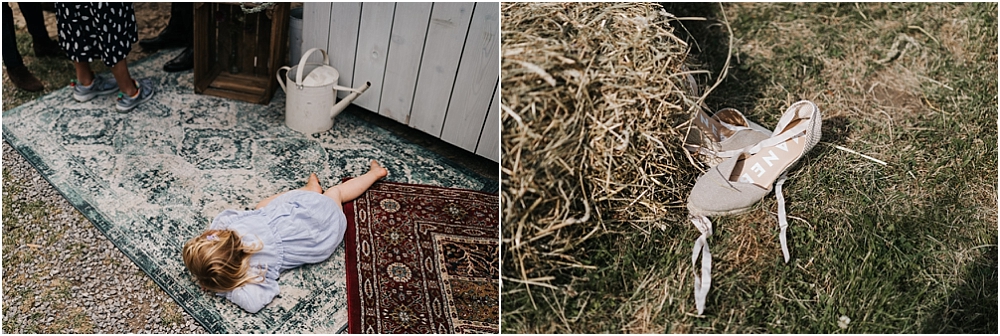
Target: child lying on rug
{"x": 242, "y": 253}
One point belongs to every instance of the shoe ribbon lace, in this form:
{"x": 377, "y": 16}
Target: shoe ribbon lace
{"x": 703, "y": 282}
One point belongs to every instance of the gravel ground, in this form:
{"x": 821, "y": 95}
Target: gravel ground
{"x": 62, "y": 275}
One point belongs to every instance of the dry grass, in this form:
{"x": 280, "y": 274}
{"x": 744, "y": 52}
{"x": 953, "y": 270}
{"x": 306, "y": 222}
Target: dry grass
{"x": 591, "y": 97}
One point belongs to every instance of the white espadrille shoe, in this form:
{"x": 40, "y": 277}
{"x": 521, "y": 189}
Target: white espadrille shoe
{"x": 740, "y": 181}
{"x": 749, "y": 174}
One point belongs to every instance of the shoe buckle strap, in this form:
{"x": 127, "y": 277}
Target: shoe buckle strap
{"x": 794, "y": 132}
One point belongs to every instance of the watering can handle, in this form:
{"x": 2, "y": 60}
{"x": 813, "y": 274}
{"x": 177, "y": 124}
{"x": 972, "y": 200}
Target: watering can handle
{"x": 346, "y": 88}
{"x": 281, "y": 81}
{"x": 302, "y": 63}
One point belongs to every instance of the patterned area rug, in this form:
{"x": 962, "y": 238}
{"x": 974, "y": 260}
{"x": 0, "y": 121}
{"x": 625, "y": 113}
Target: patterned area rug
{"x": 153, "y": 178}
{"x": 423, "y": 259}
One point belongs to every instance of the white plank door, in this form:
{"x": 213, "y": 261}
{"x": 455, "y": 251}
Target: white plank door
{"x": 476, "y": 79}
{"x": 442, "y": 52}
{"x": 406, "y": 46}
{"x": 315, "y": 29}
{"x": 344, "y": 22}
{"x": 373, "y": 50}
{"x": 489, "y": 138}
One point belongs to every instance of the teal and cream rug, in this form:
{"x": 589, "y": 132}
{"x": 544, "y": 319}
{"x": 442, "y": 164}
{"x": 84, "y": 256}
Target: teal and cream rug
{"x": 152, "y": 178}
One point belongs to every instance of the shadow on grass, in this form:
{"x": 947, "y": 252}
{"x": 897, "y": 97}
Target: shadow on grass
{"x": 972, "y": 308}
{"x": 742, "y": 87}
{"x": 709, "y": 40}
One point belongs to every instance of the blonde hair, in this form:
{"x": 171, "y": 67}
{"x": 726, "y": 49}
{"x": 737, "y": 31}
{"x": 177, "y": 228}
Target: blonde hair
{"x": 220, "y": 261}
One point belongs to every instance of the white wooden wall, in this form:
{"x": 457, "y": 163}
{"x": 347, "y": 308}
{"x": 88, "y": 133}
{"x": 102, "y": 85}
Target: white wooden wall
{"x": 433, "y": 66}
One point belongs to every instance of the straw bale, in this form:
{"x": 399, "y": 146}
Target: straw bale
{"x": 591, "y": 98}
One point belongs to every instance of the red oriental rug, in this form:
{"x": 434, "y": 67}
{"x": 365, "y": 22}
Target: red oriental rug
{"x": 422, "y": 259}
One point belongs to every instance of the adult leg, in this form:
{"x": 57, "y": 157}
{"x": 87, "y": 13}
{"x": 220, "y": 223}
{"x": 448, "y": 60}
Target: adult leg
{"x": 33, "y": 18}
{"x": 11, "y": 57}
{"x": 88, "y": 86}
{"x": 40, "y": 41}
{"x": 121, "y": 18}
{"x": 16, "y": 71}
{"x": 311, "y": 185}
{"x": 183, "y": 26}
{"x": 84, "y": 75}
{"x": 348, "y": 191}
{"x": 182, "y": 20}
{"x": 125, "y": 82}
{"x": 179, "y": 30}
{"x": 71, "y": 40}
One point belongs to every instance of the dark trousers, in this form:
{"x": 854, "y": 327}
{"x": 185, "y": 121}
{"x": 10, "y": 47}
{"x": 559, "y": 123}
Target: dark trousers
{"x": 33, "y": 18}
{"x": 182, "y": 20}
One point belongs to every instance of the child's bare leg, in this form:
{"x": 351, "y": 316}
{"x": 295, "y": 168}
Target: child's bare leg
{"x": 311, "y": 185}
{"x": 348, "y": 191}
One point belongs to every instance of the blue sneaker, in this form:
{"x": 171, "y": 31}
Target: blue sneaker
{"x": 146, "y": 91}
{"x": 101, "y": 86}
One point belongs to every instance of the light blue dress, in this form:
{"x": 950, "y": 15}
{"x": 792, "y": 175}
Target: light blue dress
{"x": 298, "y": 227}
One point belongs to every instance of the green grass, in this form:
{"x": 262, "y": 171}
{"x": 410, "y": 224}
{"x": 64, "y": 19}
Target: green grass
{"x": 910, "y": 247}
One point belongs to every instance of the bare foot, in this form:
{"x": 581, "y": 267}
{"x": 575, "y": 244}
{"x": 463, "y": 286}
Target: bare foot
{"x": 313, "y": 184}
{"x": 378, "y": 170}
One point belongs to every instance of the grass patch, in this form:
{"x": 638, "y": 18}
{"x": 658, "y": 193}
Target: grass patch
{"x": 905, "y": 248}
{"x": 171, "y": 315}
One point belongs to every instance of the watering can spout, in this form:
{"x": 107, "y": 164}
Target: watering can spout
{"x": 339, "y": 107}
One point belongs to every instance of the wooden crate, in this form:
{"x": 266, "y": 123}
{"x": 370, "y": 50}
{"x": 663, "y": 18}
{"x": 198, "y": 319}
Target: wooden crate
{"x": 237, "y": 54}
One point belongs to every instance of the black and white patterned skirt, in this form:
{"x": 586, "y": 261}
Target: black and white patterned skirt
{"x": 96, "y": 30}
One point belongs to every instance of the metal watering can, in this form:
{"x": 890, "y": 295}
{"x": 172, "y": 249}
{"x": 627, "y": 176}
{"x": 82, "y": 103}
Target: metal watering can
{"x": 309, "y": 104}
